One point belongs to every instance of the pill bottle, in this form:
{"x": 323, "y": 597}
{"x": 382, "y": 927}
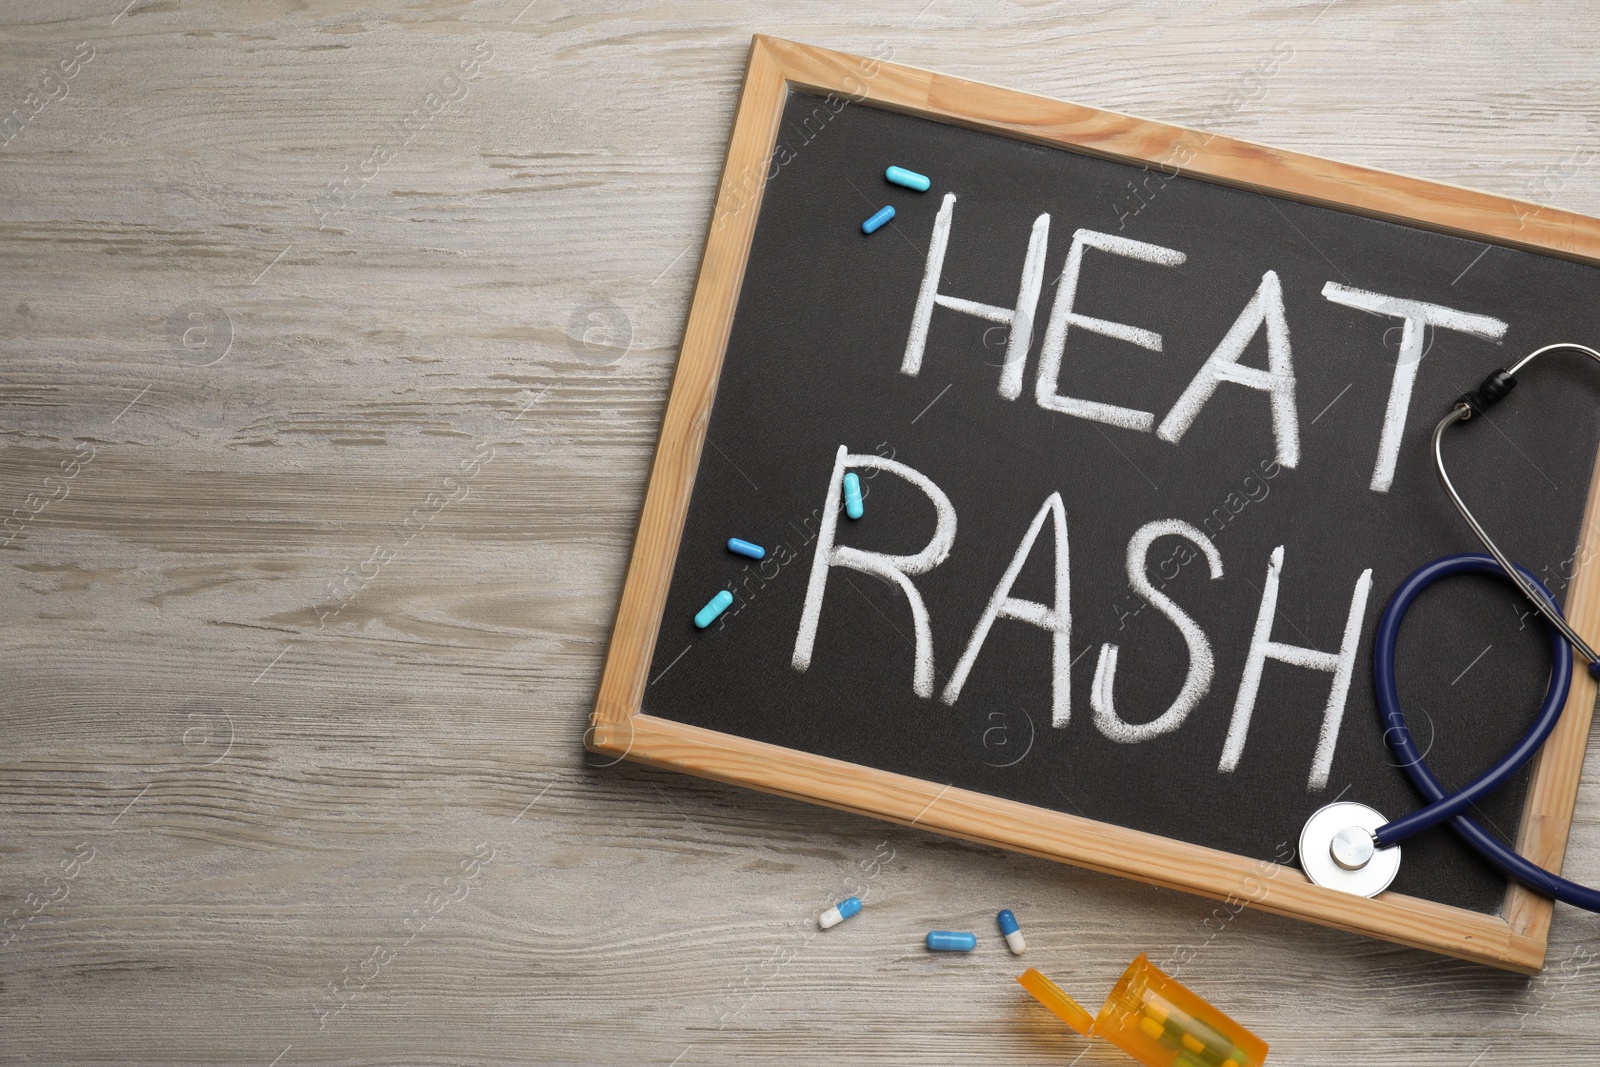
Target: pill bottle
{"x": 1158, "y": 1021}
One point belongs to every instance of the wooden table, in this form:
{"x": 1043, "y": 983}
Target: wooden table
{"x": 335, "y": 342}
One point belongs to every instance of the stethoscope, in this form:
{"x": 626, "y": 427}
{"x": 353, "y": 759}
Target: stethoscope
{"x": 1350, "y": 846}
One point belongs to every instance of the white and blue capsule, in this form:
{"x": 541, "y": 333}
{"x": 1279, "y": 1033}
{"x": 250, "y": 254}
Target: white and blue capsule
{"x": 839, "y": 912}
{"x": 1012, "y": 931}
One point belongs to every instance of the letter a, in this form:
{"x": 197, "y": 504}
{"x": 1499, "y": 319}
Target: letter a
{"x": 1264, "y": 309}
{"x": 1057, "y": 619}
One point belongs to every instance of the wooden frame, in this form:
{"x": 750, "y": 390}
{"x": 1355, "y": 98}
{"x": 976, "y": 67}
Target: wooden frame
{"x": 1515, "y": 940}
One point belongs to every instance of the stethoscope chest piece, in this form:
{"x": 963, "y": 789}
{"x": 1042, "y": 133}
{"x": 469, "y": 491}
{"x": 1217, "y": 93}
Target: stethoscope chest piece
{"x": 1337, "y": 850}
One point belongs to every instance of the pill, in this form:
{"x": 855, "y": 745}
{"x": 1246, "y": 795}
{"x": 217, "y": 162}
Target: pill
{"x": 740, "y": 546}
{"x": 908, "y": 178}
{"x": 839, "y": 912}
{"x": 714, "y": 607}
{"x": 852, "y": 496}
{"x": 879, "y": 217}
{"x": 1169, "y": 1032}
{"x": 1012, "y": 932}
{"x": 1202, "y": 1038}
{"x": 946, "y": 941}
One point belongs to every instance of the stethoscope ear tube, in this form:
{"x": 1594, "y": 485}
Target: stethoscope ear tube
{"x": 1495, "y": 388}
{"x": 1444, "y": 806}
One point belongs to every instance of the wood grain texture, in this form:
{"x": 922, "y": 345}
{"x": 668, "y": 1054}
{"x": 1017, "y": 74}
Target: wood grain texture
{"x": 406, "y": 716}
{"x": 1552, "y": 790}
{"x": 1149, "y": 858}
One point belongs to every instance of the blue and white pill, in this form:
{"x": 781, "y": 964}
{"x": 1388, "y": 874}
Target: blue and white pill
{"x": 839, "y": 912}
{"x": 1012, "y": 932}
{"x": 740, "y": 547}
{"x": 908, "y": 178}
{"x": 852, "y": 496}
{"x": 879, "y": 217}
{"x": 947, "y": 941}
{"x": 714, "y": 607}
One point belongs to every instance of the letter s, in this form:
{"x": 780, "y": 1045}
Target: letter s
{"x": 1202, "y": 665}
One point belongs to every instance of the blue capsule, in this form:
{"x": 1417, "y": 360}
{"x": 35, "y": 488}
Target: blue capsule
{"x": 1012, "y": 932}
{"x": 852, "y": 496}
{"x": 946, "y": 941}
{"x": 741, "y": 547}
{"x": 716, "y": 606}
{"x": 839, "y": 912}
{"x": 879, "y": 217}
{"x": 908, "y": 178}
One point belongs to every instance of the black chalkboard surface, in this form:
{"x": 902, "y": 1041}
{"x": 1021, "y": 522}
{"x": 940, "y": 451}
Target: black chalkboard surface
{"x": 1205, "y": 387}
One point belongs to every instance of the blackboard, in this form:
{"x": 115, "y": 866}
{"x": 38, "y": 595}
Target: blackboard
{"x": 1071, "y": 363}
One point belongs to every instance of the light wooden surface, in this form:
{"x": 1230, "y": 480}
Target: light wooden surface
{"x": 279, "y": 702}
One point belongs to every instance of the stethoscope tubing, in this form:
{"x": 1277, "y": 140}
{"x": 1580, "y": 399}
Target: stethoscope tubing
{"x": 1442, "y": 805}
{"x": 1527, "y": 583}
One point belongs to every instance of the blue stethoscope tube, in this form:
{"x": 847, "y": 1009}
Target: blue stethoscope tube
{"x": 1443, "y": 806}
